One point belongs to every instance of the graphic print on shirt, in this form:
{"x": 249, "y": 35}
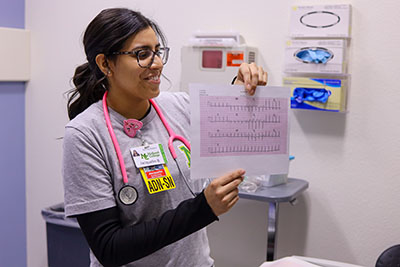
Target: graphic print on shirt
{"x": 186, "y": 152}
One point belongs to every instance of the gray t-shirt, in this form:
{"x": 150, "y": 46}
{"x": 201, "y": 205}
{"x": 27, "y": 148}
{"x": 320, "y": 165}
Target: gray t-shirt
{"x": 92, "y": 175}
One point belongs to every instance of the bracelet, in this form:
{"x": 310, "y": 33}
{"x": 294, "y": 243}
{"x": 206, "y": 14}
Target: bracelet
{"x": 234, "y": 80}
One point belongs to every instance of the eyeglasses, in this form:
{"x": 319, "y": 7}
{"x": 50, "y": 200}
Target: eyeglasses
{"x": 145, "y": 57}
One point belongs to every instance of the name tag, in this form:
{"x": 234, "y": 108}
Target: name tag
{"x": 149, "y": 155}
{"x": 157, "y": 178}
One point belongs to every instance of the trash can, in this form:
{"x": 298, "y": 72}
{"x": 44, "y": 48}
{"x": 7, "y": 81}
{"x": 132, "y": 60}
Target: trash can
{"x": 66, "y": 245}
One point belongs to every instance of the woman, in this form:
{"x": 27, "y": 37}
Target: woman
{"x": 132, "y": 212}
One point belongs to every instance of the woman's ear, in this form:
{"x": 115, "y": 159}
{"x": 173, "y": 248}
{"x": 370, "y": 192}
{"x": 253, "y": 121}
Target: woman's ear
{"x": 102, "y": 63}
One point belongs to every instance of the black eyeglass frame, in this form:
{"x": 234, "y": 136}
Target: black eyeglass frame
{"x": 136, "y": 53}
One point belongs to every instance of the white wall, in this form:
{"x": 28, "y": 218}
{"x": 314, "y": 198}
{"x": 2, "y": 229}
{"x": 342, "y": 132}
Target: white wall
{"x": 351, "y": 210}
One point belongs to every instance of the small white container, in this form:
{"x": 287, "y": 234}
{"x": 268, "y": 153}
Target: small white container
{"x": 274, "y": 179}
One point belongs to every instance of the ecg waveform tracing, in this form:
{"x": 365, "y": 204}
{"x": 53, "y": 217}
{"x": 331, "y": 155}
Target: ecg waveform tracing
{"x": 236, "y": 126}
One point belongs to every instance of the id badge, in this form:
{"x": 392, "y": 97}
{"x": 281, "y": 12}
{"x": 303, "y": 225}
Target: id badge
{"x": 149, "y": 155}
{"x": 157, "y": 178}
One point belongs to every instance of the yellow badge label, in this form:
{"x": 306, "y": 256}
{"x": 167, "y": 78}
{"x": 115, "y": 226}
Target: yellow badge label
{"x": 157, "y": 178}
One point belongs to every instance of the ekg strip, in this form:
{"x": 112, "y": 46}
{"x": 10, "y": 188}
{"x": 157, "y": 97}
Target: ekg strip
{"x": 232, "y": 126}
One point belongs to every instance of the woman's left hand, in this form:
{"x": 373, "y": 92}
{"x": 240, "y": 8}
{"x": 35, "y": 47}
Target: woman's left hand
{"x": 251, "y": 75}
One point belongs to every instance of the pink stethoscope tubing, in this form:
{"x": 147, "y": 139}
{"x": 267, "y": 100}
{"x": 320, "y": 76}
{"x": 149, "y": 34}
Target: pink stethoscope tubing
{"x": 114, "y": 139}
{"x": 171, "y": 133}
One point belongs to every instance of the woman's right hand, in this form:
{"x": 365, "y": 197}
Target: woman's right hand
{"x": 222, "y": 193}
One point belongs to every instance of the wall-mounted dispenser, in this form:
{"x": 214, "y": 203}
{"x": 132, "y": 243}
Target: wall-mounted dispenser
{"x": 214, "y": 58}
{"x": 316, "y": 57}
{"x": 317, "y": 93}
{"x": 324, "y": 21}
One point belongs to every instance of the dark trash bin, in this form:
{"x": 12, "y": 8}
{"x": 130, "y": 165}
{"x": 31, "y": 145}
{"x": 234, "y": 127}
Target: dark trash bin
{"x": 66, "y": 245}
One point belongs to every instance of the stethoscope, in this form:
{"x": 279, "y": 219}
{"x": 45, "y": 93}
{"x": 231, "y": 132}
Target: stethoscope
{"x": 128, "y": 194}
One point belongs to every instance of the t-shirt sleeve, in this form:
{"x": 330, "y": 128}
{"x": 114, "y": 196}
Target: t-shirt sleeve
{"x": 184, "y": 101}
{"x": 87, "y": 182}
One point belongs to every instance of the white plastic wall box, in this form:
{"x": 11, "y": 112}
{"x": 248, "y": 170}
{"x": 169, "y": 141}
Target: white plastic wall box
{"x": 336, "y": 65}
{"x": 14, "y": 54}
{"x": 320, "y": 21}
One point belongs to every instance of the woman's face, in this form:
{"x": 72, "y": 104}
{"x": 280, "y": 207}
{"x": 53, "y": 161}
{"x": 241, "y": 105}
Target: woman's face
{"x": 130, "y": 81}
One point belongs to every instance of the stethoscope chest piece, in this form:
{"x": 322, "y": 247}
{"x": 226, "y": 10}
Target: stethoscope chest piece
{"x": 128, "y": 195}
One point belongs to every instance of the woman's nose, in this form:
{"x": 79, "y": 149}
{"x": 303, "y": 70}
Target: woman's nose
{"x": 157, "y": 62}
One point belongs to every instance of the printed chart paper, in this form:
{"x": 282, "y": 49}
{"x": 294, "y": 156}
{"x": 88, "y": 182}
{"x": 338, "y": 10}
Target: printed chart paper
{"x": 231, "y": 129}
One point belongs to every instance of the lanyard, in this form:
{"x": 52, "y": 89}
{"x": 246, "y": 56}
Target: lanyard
{"x": 171, "y": 133}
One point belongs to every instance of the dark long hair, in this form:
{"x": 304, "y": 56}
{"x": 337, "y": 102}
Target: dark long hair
{"x": 105, "y": 34}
